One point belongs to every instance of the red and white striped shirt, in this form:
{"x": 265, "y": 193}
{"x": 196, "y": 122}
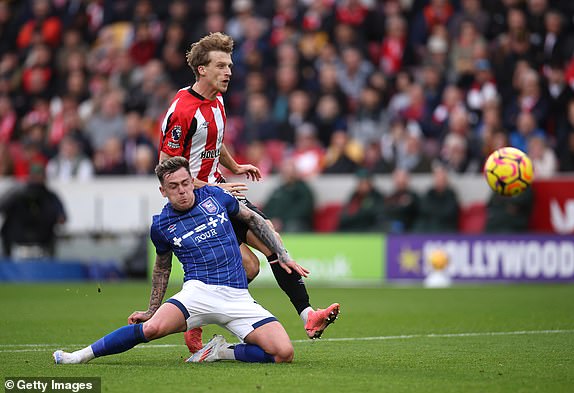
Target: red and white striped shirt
{"x": 193, "y": 127}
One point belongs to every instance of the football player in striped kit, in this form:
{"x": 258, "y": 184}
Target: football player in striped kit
{"x": 193, "y": 127}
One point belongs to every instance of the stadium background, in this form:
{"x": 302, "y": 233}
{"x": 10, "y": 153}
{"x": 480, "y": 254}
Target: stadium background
{"x": 330, "y": 86}
{"x": 334, "y": 86}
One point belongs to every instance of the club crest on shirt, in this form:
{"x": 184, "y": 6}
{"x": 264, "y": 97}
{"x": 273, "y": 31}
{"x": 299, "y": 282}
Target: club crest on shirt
{"x": 209, "y": 206}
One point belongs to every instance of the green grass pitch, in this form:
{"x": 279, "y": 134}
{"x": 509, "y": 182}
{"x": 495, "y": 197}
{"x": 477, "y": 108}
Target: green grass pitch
{"x": 503, "y": 338}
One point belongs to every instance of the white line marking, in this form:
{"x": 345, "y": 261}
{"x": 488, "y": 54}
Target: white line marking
{"x": 38, "y": 347}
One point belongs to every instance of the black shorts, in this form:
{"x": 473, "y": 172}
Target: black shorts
{"x": 241, "y": 227}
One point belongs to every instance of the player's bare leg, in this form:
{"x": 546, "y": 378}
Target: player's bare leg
{"x": 250, "y": 262}
{"x": 316, "y": 321}
{"x": 268, "y": 343}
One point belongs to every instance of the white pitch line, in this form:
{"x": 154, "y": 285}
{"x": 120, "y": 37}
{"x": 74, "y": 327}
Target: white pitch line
{"x": 38, "y": 347}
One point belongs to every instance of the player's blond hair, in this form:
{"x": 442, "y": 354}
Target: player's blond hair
{"x": 171, "y": 165}
{"x": 198, "y": 54}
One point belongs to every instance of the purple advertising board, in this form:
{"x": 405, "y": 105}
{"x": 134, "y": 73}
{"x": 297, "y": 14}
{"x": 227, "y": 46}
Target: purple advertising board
{"x": 535, "y": 258}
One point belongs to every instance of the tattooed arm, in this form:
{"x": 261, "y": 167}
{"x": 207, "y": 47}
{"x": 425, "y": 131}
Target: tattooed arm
{"x": 263, "y": 231}
{"x": 160, "y": 279}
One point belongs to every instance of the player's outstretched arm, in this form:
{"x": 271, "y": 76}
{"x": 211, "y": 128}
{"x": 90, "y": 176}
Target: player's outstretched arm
{"x": 251, "y": 171}
{"x": 160, "y": 279}
{"x": 263, "y": 231}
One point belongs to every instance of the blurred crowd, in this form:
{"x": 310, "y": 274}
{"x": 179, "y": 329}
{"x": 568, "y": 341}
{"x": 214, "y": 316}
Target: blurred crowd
{"x": 291, "y": 207}
{"x": 333, "y": 86}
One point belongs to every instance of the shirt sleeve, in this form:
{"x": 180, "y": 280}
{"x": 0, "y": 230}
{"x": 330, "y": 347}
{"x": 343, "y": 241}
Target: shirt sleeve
{"x": 229, "y": 202}
{"x": 159, "y": 241}
{"x": 177, "y": 128}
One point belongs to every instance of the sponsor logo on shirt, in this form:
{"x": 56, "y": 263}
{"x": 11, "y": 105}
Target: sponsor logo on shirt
{"x": 171, "y": 228}
{"x": 210, "y": 153}
{"x": 202, "y": 231}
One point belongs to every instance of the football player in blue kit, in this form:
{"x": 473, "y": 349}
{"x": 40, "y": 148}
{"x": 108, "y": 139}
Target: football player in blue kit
{"x": 195, "y": 226}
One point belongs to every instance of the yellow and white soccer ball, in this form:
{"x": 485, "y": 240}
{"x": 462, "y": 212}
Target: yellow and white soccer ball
{"x": 508, "y": 171}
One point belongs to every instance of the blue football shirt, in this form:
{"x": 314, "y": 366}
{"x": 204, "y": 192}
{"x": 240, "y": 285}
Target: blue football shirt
{"x": 202, "y": 238}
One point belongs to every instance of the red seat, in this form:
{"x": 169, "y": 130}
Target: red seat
{"x": 472, "y": 218}
{"x": 326, "y": 217}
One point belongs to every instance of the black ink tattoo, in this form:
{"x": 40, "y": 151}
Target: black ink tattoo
{"x": 160, "y": 279}
{"x": 263, "y": 231}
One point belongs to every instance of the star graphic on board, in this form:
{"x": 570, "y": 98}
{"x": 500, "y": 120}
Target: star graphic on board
{"x": 409, "y": 260}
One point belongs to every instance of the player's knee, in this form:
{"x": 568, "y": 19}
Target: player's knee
{"x": 252, "y": 271}
{"x": 284, "y": 353}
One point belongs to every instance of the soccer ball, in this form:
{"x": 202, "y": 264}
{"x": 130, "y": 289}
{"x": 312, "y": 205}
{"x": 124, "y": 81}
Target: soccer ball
{"x": 508, "y": 171}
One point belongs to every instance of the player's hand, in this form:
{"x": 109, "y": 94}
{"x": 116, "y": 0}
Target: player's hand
{"x": 251, "y": 171}
{"x": 291, "y": 266}
{"x": 139, "y": 317}
{"x": 236, "y": 189}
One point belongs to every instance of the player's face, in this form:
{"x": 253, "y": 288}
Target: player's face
{"x": 177, "y": 187}
{"x": 218, "y": 71}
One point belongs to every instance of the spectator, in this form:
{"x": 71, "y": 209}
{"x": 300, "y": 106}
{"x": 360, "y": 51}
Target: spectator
{"x": 525, "y": 129}
{"x": 342, "y": 155}
{"x": 8, "y": 28}
{"x": 31, "y": 215}
{"x": 565, "y": 147}
{"x": 559, "y": 93}
{"x": 286, "y": 81}
{"x": 556, "y": 43}
{"x": 299, "y": 113}
{"x": 70, "y": 163}
{"x": 439, "y": 207}
{"x": 462, "y": 51}
{"x": 308, "y": 153}
{"x": 392, "y": 49}
{"x": 401, "y": 207}
{"x": 529, "y": 99}
{"x": 145, "y": 160}
{"x": 374, "y": 160}
{"x": 436, "y": 13}
{"x": 107, "y": 122}
{"x": 369, "y": 120}
{"x": 483, "y": 90}
{"x": 543, "y": 158}
{"x": 328, "y": 119}
{"x": 509, "y": 214}
{"x": 329, "y": 85}
{"x": 7, "y": 120}
{"x": 362, "y": 211}
{"x": 470, "y": 11}
{"x": 290, "y": 206}
{"x": 353, "y": 73}
{"x": 41, "y": 28}
{"x": 259, "y": 123}
{"x": 134, "y": 139}
{"x": 109, "y": 159}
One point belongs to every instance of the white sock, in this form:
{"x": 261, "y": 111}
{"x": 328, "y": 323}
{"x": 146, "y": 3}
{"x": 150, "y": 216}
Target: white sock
{"x": 305, "y": 314}
{"x": 85, "y": 355}
{"x": 227, "y": 353}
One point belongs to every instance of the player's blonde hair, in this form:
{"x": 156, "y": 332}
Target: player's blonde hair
{"x": 198, "y": 54}
{"x": 171, "y": 165}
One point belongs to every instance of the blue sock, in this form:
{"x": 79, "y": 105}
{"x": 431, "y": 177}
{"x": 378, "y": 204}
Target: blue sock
{"x": 119, "y": 340}
{"x": 252, "y": 354}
